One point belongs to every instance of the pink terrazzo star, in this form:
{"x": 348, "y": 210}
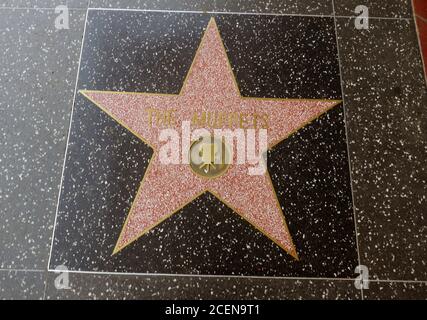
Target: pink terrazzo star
{"x": 209, "y": 86}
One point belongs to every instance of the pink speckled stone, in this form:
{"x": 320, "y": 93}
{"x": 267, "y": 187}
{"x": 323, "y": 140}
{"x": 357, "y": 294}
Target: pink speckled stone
{"x": 209, "y": 86}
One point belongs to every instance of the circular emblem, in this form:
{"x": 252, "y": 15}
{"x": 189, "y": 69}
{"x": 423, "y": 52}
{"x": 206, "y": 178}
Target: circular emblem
{"x": 209, "y": 157}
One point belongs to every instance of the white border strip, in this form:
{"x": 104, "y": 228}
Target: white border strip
{"x": 68, "y": 138}
{"x": 208, "y": 12}
{"x": 123, "y": 274}
{"x": 346, "y": 139}
{"x": 137, "y": 274}
{"x": 244, "y": 13}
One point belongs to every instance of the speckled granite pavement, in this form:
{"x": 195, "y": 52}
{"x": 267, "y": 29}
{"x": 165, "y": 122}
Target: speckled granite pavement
{"x": 351, "y": 183}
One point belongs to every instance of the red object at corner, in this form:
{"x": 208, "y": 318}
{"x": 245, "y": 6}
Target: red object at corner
{"x": 420, "y": 13}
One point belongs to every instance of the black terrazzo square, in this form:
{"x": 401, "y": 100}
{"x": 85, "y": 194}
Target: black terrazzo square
{"x": 385, "y": 97}
{"x": 271, "y": 56}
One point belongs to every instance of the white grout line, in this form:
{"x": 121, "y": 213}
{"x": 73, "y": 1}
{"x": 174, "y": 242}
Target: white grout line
{"x": 36, "y": 8}
{"x": 136, "y": 274}
{"x": 66, "y": 149}
{"x": 213, "y": 12}
{"x": 347, "y": 138}
{"x": 21, "y": 270}
{"x": 68, "y": 138}
{"x": 399, "y": 281}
